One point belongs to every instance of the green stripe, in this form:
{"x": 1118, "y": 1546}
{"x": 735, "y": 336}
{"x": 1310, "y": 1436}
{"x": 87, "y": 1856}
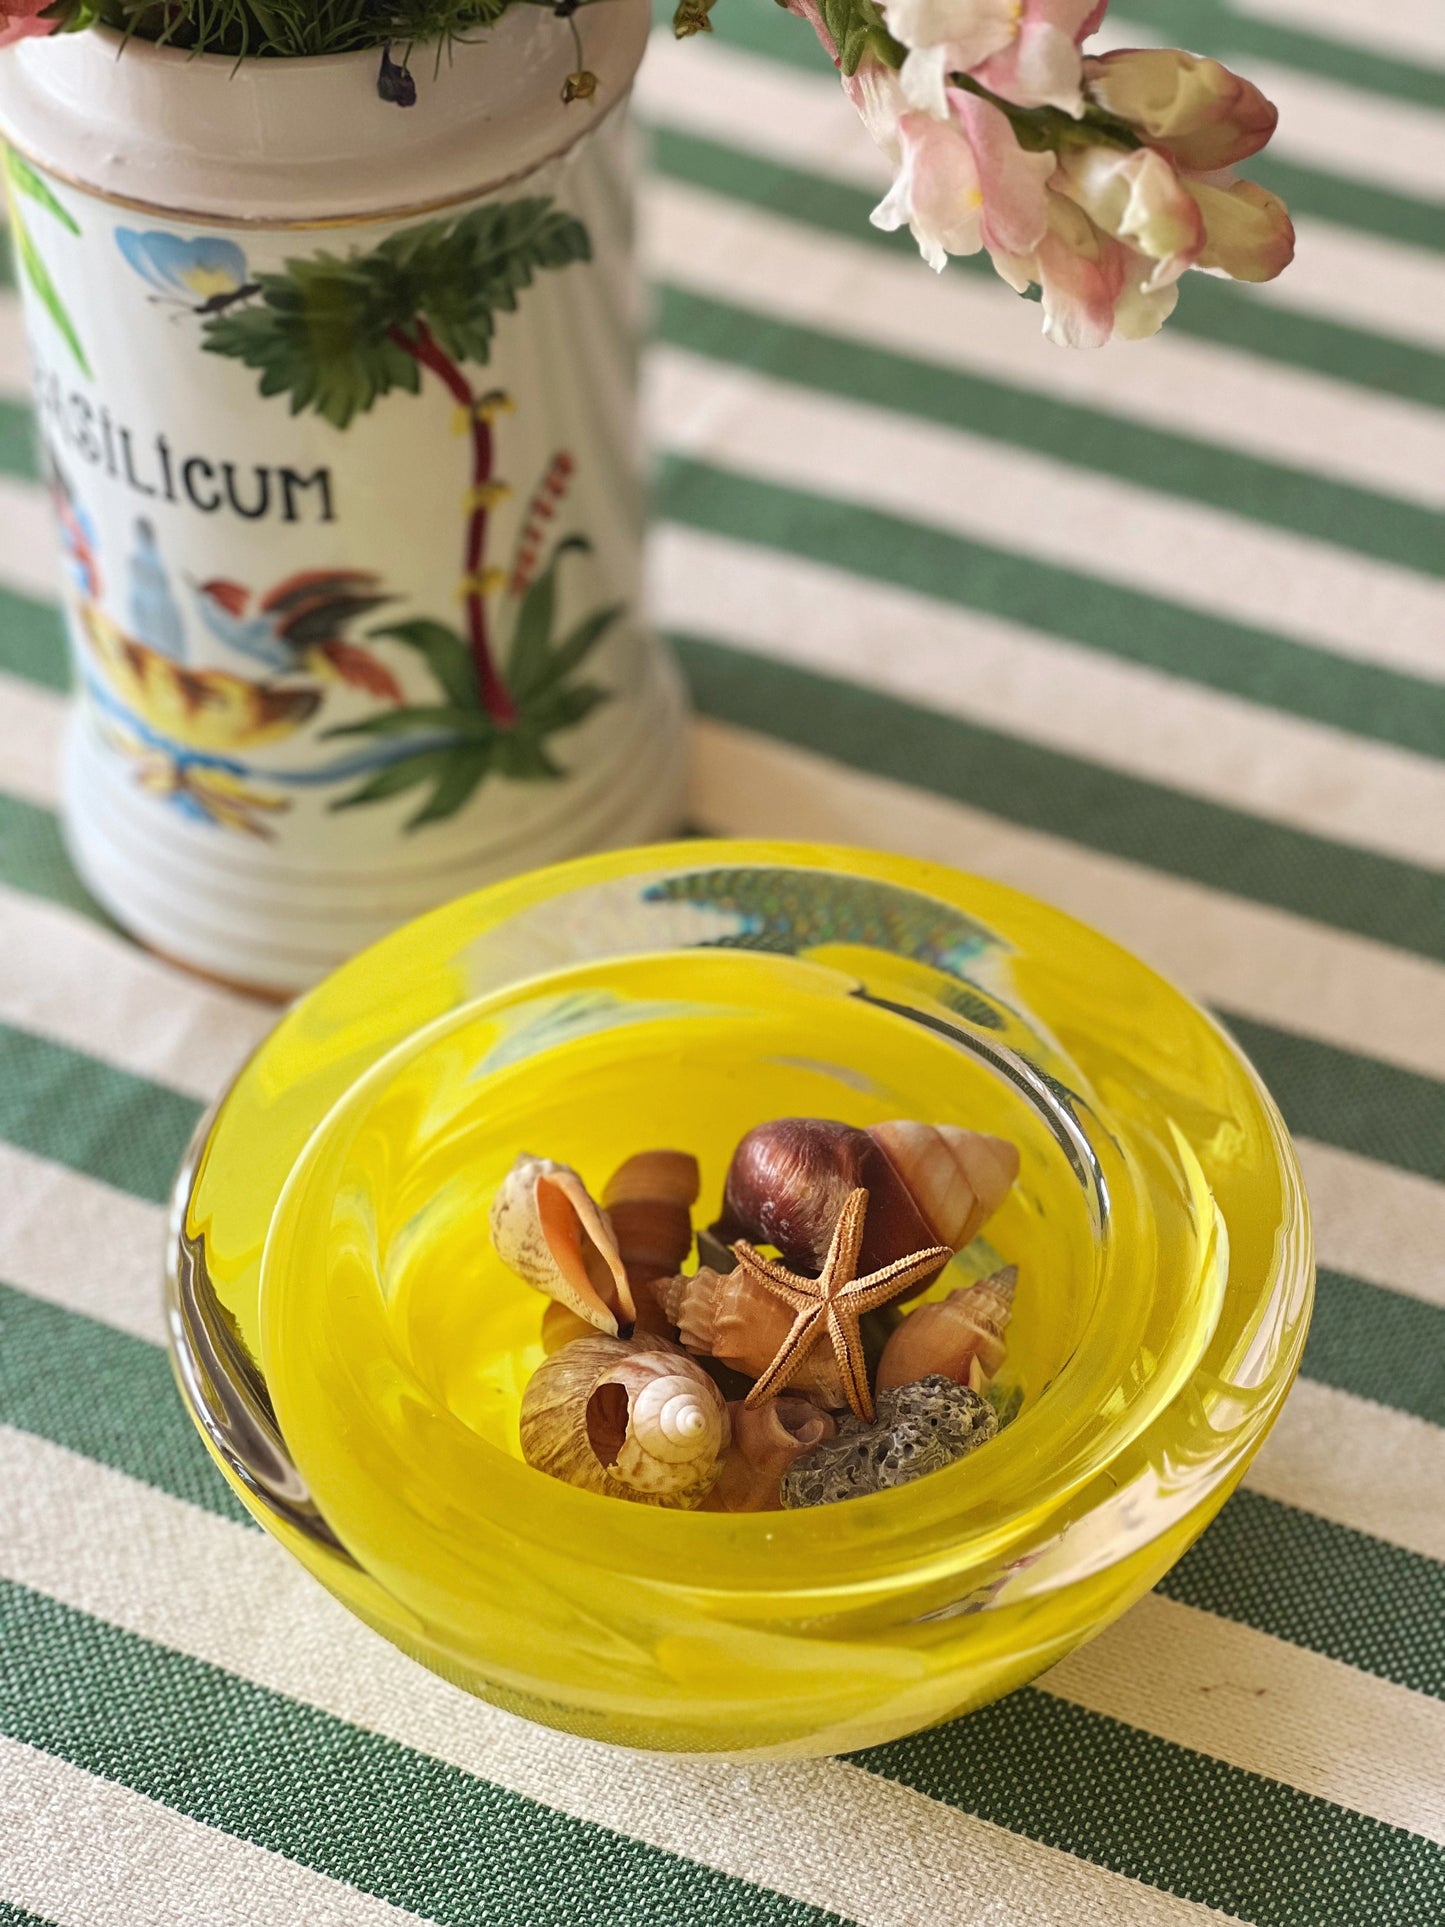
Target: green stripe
{"x": 108, "y": 1123}
{"x": 12, "y": 1916}
{"x": 1289, "y": 1573}
{"x": 1381, "y": 526}
{"x": 1379, "y": 1345}
{"x": 32, "y": 640}
{"x": 1186, "y": 644}
{"x": 1375, "y": 1109}
{"x": 1206, "y": 26}
{"x": 1044, "y": 790}
{"x": 106, "y": 1395}
{"x": 335, "y": 1797}
{"x": 1346, "y": 202}
{"x": 1304, "y": 1579}
{"x": 755, "y": 27}
{"x": 1227, "y": 313}
{"x": 33, "y": 858}
{"x": 1175, "y": 1819}
{"x": 17, "y": 441}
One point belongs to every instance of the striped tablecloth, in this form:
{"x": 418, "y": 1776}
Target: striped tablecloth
{"x": 1157, "y": 633}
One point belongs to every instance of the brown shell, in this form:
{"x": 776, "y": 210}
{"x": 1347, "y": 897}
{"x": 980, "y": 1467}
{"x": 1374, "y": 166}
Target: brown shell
{"x": 789, "y": 1180}
{"x": 927, "y": 1184}
{"x": 765, "y": 1441}
{"x": 730, "y": 1317}
{"x": 648, "y": 1201}
{"x": 630, "y": 1418}
{"x": 961, "y": 1337}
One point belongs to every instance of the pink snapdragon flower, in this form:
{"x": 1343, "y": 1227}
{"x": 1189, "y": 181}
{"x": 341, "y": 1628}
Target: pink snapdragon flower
{"x": 1202, "y": 115}
{"x": 963, "y": 183}
{"x": 1026, "y": 51}
{"x": 20, "y": 19}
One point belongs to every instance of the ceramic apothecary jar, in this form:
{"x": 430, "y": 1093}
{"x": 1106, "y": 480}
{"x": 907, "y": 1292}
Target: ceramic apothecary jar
{"x": 336, "y": 403}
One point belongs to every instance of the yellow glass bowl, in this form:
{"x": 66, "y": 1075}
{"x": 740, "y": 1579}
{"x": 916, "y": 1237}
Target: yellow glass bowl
{"x": 354, "y": 1353}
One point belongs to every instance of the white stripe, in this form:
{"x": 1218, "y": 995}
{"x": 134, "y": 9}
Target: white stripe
{"x": 1379, "y": 1223}
{"x": 1178, "y": 384}
{"x": 1322, "y": 123}
{"x": 32, "y": 719}
{"x": 987, "y": 670}
{"x": 803, "y": 120}
{"x": 1367, "y": 1466}
{"x": 1106, "y": 528}
{"x": 30, "y": 553}
{"x": 77, "y": 1243}
{"x": 1359, "y": 279}
{"x": 14, "y": 350}
{"x": 1261, "y": 962}
{"x": 66, "y": 978}
{"x": 84, "y": 1852}
{"x": 1413, "y": 29}
{"x": 168, "y": 1572}
{"x": 1269, "y": 1707}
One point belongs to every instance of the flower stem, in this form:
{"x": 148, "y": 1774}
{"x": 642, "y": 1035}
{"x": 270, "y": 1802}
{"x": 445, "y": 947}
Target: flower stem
{"x": 425, "y": 349}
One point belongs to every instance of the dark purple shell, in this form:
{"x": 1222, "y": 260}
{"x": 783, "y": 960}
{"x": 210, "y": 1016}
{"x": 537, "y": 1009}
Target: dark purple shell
{"x": 789, "y": 1180}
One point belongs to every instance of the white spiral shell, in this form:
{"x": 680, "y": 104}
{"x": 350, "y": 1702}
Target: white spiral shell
{"x": 633, "y": 1418}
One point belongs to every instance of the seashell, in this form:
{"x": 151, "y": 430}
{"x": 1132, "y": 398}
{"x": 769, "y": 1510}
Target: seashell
{"x": 547, "y": 1228}
{"x": 765, "y": 1441}
{"x": 648, "y": 1201}
{"x": 920, "y": 1428}
{"x": 632, "y": 1418}
{"x": 957, "y": 1178}
{"x": 730, "y": 1317}
{"x": 927, "y": 1184}
{"x": 961, "y": 1337}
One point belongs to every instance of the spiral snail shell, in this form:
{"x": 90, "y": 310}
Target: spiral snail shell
{"x": 927, "y": 1184}
{"x": 631, "y": 1418}
{"x": 961, "y": 1337}
{"x": 548, "y": 1229}
{"x": 728, "y": 1316}
{"x": 765, "y": 1442}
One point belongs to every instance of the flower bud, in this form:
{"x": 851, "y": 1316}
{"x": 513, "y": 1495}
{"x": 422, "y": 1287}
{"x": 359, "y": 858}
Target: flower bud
{"x": 1248, "y": 234}
{"x": 1201, "y": 113}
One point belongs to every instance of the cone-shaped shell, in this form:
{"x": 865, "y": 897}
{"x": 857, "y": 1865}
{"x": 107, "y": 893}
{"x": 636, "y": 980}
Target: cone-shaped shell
{"x": 961, "y": 1337}
{"x": 631, "y": 1418}
{"x": 765, "y": 1442}
{"x": 957, "y": 1178}
{"x": 547, "y": 1228}
{"x": 730, "y": 1317}
{"x": 648, "y": 1201}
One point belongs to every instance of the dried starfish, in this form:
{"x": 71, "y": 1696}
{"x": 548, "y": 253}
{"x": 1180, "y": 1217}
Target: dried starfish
{"x": 833, "y": 1302}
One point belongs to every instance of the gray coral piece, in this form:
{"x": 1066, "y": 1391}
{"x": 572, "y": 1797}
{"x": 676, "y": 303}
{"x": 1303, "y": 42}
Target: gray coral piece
{"x": 919, "y": 1429}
